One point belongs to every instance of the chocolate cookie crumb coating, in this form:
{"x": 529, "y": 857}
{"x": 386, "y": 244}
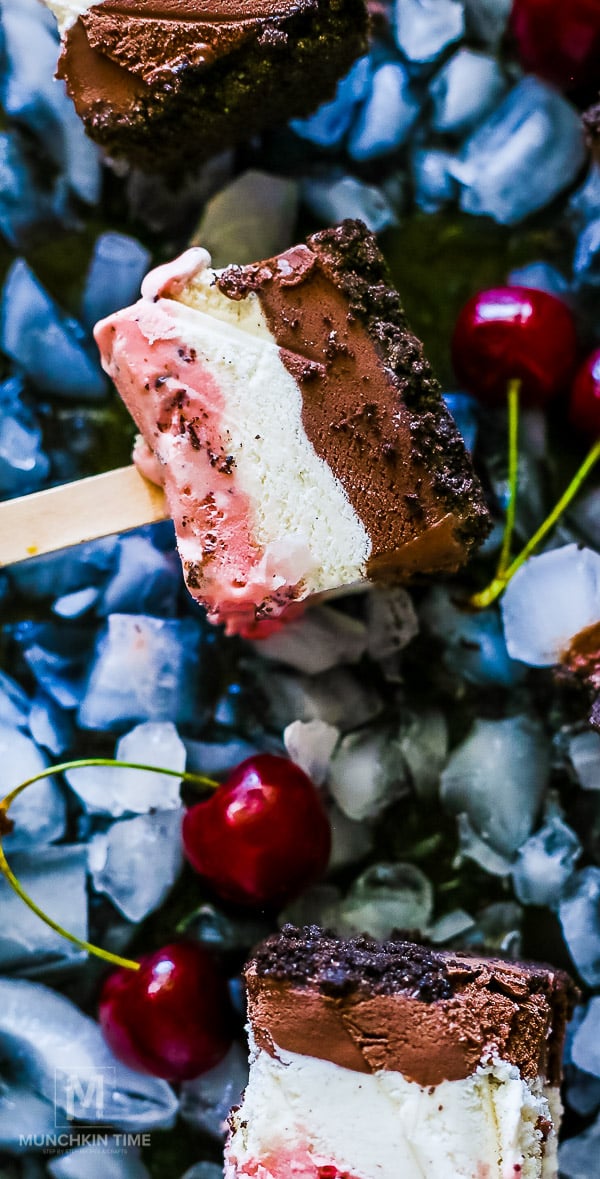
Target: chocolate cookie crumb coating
{"x": 170, "y": 82}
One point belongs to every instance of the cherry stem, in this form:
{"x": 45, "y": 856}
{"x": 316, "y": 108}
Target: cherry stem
{"x": 63, "y": 767}
{"x": 500, "y": 582}
{"x": 514, "y": 390}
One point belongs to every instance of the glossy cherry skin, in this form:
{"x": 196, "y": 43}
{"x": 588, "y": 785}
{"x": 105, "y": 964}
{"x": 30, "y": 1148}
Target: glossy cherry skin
{"x": 559, "y": 40}
{"x": 584, "y": 402}
{"x": 263, "y": 836}
{"x": 514, "y": 332}
{"x": 171, "y": 1017}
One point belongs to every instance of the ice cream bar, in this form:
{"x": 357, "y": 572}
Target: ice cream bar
{"x": 386, "y": 1060}
{"x": 291, "y": 416}
{"x": 167, "y": 83}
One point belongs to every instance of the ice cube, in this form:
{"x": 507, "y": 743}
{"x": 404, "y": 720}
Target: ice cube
{"x": 545, "y": 863}
{"x": 63, "y": 1057}
{"x": 424, "y": 28}
{"x": 137, "y": 861}
{"x": 585, "y": 513}
{"x": 486, "y": 20}
{"x": 464, "y": 412}
{"x": 567, "y": 581}
{"x": 584, "y": 755}
{"x": 497, "y": 930}
{"x": 116, "y": 791}
{"x": 23, "y": 464}
{"x": 110, "y": 1158}
{"x": 388, "y": 897}
{"x": 586, "y": 259}
{"x": 75, "y": 604}
{"x": 368, "y": 773}
{"x": 583, "y": 205}
{"x": 14, "y": 702}
{"x": 450, "y": 928}
{"x": 472, "y": 847}
{"x": 318, "y": 641}
{"x": 117, "y": 267}
{"x": 387, "y": 117}
{"x": 55, "y": 878}
{"x": 57, "y": 656}
{"x": 39, "y": 813}
{"x": 225, "y": 934}
{"x": 30, "y": 93}
{"x": 216, "y": 758}
{"x": 578, "y": 1157}
{"x": 66, "y": 571}
{"x": 319, "y": 905}
{"x": 330, "y": 122}
{"x": 206, "y": 1101}
{"x": 22, "y": 1113}
{"x": 144, "y": 669}
{"x": 350, "y": 841}
{"x": 392, "y": 621}
{"x": 497, "y": 777}
{"x": 585, "y": 1049}
{"x": 24, "y": 204}
{"x": 331, "y": 197}
{"x": 433, "y": 182}
{"x": 252, "y": 217}
{"x": 582, "y": 1092}
{"x": 204, "y": 1171}
{"x": 336, "y": 697}
{"x": 540, "y": 276}
{"x": 423, "y": 743}
{"x": 145, "y": 580}
{"x": 310, "y": 745}
{"x": 47, "y": 345}
{"x": 474, "y": 646}
{"x": 50, "y": 726}
{"x": 465, "y": 90}
{"x": 579, "y": 914}
{"x": 533, "y": 133}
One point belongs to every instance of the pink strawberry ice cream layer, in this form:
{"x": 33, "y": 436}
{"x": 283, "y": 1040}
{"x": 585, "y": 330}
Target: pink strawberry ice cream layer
{"x": 176, "y": 401}
{"x": 295, "y": 1165}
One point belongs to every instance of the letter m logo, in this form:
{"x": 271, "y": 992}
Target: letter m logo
{"x": 83, "y": 1096}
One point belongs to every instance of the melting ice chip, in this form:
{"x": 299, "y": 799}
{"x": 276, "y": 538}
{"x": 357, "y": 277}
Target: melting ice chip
{"x": 61, "y": 1056}
{"x": 551, "y": 609}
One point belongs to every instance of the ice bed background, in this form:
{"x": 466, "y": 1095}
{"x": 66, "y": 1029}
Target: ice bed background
{"x": 463, "y": 786}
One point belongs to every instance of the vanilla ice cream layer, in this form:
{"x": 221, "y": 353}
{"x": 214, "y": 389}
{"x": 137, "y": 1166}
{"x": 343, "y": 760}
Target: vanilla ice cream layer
{"x": 67, "y": 11}
{"x": 302, "y": 1117}
{"x": 260, "y": 517}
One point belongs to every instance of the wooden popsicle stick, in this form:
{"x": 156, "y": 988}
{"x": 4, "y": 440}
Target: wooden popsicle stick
{"x": 75, "y": 512}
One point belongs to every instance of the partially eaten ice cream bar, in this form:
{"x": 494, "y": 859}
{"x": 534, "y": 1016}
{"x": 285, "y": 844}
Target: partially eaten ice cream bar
{"x": 386, "y": 1060}
{"x": 291, "y": 418}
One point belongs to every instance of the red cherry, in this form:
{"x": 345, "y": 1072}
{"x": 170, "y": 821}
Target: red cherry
{"x": 171, "y": 1017}
{"x": 560, "y": 41}
{"x": 263, "y": 836}
{"x": 584, "y": 402}
{"x": 510, "y": 333}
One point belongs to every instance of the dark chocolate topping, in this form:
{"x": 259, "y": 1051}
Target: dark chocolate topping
{"x": 311, "y": 956}
{"x": 431, "y": 1015}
